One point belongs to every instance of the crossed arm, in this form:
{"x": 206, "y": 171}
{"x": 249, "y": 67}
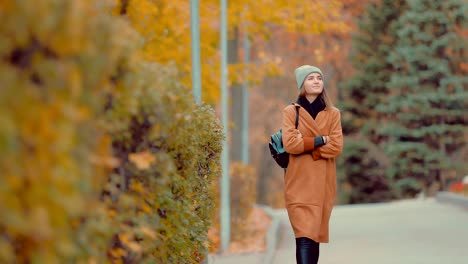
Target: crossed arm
{"x": 334, "y": 146}
{"x": 296, "y": 144}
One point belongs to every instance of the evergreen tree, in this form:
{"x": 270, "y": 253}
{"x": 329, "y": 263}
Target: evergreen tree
{"x": 367, "y": 89}
{"x": 428, "y": 94}
{"x": 363, "y": 180}
{"x": 364, "y": 164}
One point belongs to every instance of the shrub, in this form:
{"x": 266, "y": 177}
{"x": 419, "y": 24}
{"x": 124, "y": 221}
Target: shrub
{"x": 56, "y": 58}
{"x": 104, "y": 157}
{"x": 460, "y": 188}
{"x": 169, "y": 150}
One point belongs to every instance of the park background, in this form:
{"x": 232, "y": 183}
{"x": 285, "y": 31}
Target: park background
{"x": 105, "y": 156}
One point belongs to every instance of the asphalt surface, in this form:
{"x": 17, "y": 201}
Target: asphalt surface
{"x": 401, "y": 232}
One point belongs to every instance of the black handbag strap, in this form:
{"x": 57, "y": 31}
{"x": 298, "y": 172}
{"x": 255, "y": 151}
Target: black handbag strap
{"x": 297, "y": 121}
{"x": 297, "y": 115}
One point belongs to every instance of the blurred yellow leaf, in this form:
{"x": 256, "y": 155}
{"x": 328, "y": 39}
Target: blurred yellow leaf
{"x": 148, "y": 232}
{"x": 134, "y": 246}
{"x": 106, "y": 161}
{"x": 118, "y": 252}
{"x": 146, "y": 208}
{"x": 137, "y": 187}
{"x": 142, "y": 160}
{"x": 111, "y": 212}
{"x": 124, "y": 239}
{"x": 40, "y": 216}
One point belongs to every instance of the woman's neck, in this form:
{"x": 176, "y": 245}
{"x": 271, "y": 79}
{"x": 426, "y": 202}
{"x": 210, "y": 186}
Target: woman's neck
{"x": 311, "y": 97}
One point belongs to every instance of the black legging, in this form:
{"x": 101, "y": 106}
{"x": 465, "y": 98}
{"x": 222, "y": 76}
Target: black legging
{"x": 307, "y": 251}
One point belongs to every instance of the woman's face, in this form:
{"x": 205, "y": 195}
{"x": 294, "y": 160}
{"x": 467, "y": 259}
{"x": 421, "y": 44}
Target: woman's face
{"x": 313, "y": 84}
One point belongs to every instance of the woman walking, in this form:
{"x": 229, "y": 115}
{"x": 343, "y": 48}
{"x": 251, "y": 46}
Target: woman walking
{"x": 310, "y": 180}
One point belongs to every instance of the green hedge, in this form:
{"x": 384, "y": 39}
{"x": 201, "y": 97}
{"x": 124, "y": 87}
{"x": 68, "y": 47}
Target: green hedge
{"x": 171, "y": 196}
{"x": 104, "y": 157}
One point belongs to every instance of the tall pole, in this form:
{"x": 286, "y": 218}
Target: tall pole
{"x": 196, "y": 67}
{"x": 195, "y": 37}
{"x": 225, "y": 198}
{"x": 245, "y": 101}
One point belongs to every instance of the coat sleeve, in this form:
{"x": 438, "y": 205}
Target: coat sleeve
{"x": 292, "y": 144}
{"x": 334, "y": 147}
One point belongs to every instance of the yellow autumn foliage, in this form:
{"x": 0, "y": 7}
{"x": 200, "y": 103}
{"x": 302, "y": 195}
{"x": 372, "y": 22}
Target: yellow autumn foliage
{"x": 165, "y": 26}
{"x": 104, "y": 155}
{"x": 99, "y": 150}
{"x": 56, "y": 60}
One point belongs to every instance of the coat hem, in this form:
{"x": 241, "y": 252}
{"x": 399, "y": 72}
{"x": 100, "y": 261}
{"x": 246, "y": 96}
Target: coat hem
{"x": 312, "y": 237}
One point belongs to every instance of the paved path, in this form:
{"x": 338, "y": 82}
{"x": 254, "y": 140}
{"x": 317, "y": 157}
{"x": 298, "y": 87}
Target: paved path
{"x": 252, "y": 258}
{"x": 403, "y": 232}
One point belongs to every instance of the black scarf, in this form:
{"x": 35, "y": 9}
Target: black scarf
{"x": 312, "y": 108}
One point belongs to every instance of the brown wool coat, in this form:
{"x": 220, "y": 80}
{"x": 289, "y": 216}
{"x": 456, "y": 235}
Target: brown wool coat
{"x": 310, "y": 180}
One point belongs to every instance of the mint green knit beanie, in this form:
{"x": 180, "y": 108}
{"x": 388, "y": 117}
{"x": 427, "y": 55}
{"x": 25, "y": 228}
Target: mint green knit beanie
{"x": 303, "y": 71}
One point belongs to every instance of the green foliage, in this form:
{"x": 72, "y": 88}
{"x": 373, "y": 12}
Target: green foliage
{"x": 371, "y": 46}
{"x": 409, "y": 93}
{"x": 171, "y": 195}
{"x": 428, "y": 93}
{"x": 361, "y": 174}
